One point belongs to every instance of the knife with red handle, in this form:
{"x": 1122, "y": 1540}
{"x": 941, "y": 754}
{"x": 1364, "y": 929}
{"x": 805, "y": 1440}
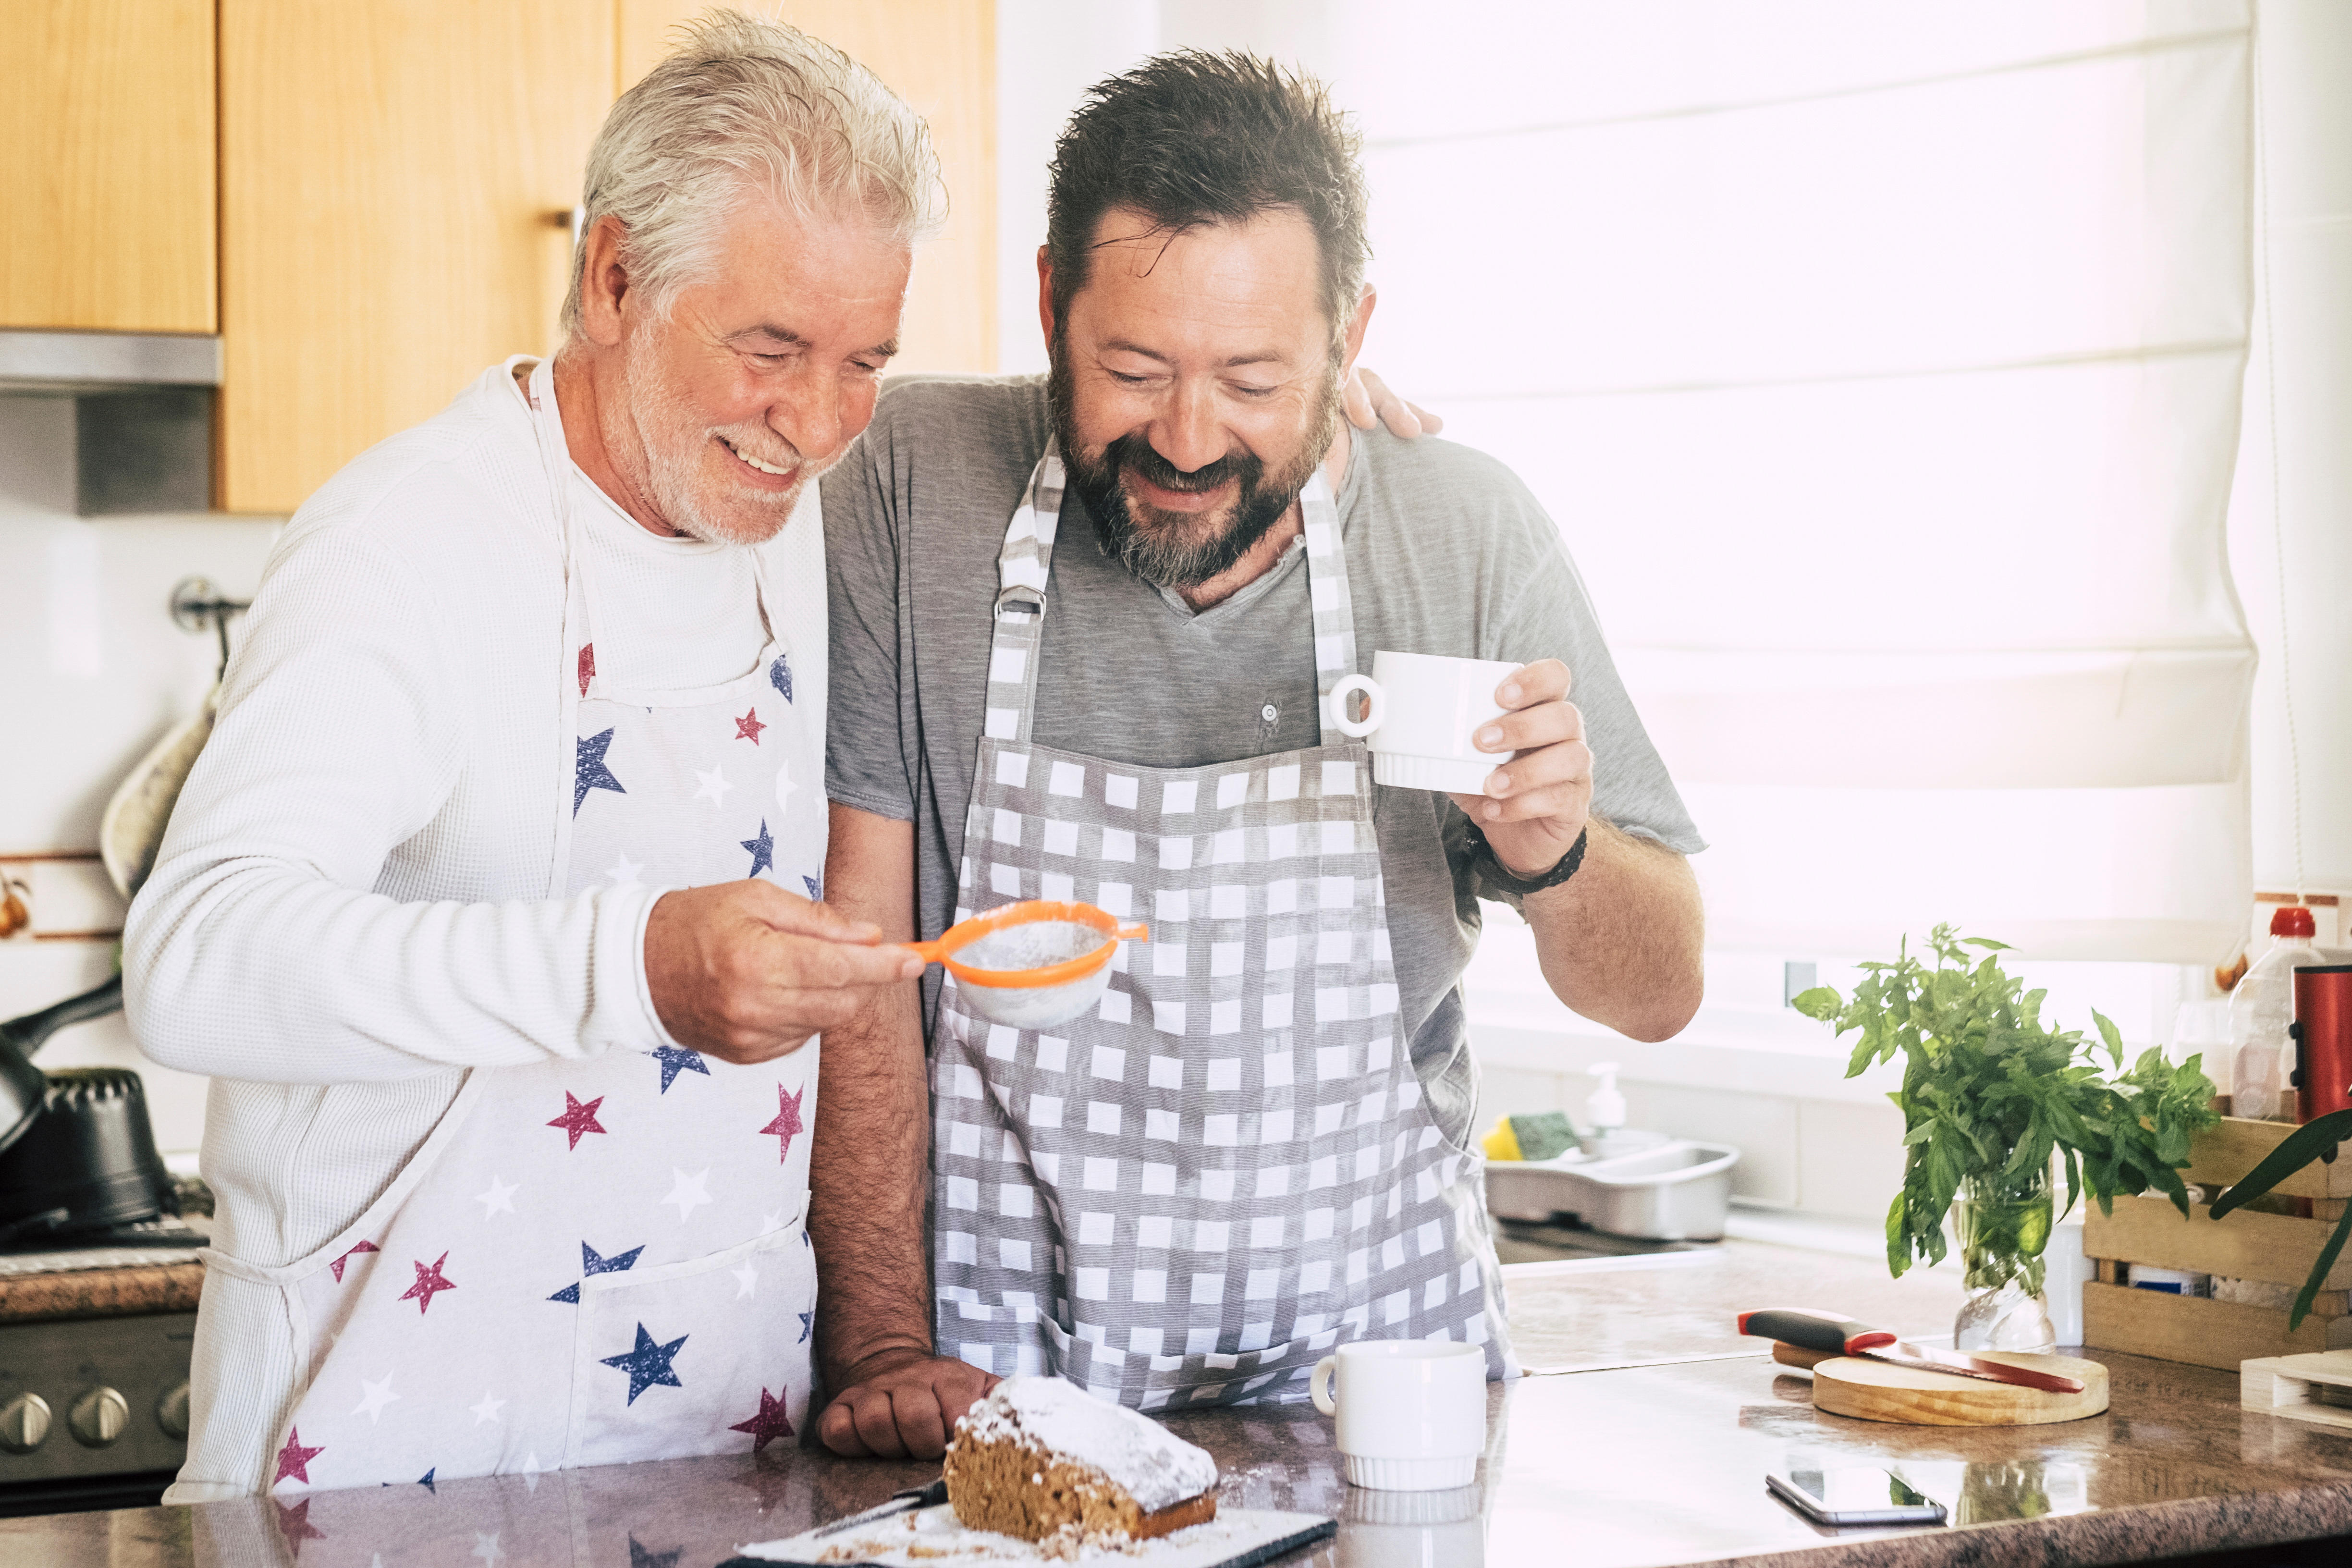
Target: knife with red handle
{"x": 1830, "y": 1334}
{"x": 1824, "y": 1331}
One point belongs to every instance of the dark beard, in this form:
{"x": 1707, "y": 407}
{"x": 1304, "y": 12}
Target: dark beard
{"x": 1181, "y": 550}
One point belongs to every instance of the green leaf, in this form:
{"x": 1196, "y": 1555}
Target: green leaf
{"x": 1983, "y": 941}
{"x": 2327, "y": 1261}
{"x": 2298, "y": 1149}
{"x": 1822, "y": 1003}
{"x": 2109, "y": 1033}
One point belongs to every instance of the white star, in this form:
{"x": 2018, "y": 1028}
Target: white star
{"x": 530, "y": 1471}
{"x": 487, "y": 1410}
{"x": 374, "y": 1397}
{"x": 714, "y": 786}
{"x": 496, "y": 1198}
{"x": 486, "y": 1546}
{"x": 625, "y": 873}
{"x": 771, "y": 1223}
{"x": 688, "y": 1191}
{"x": 745, "y": 1278}
{"x": 784, "y": 785}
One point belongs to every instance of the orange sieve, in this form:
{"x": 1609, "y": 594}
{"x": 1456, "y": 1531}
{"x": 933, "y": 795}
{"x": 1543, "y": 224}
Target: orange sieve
{"x": 963, "y": 934}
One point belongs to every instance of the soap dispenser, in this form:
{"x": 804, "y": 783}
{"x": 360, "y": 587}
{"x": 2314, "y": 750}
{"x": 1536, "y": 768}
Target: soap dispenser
{"x": 1605, "y": 1111}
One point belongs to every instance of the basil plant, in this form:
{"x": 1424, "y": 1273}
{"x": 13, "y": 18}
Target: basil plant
{"x": 1991, "y": 1092}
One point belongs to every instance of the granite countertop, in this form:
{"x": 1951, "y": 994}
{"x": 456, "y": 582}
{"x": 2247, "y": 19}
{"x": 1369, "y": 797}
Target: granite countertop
{"x": 1652, "y": 1464}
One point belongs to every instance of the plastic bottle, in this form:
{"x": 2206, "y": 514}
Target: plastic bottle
{"x": 2260, "y": 1010}
{"x": 1606, "y": 1108}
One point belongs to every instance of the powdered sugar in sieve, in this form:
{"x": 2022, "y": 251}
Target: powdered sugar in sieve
{"x": 1032, "y": 946}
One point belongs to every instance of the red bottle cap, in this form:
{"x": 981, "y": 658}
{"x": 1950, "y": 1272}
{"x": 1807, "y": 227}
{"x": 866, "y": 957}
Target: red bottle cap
{"x": 2292, "y": 920}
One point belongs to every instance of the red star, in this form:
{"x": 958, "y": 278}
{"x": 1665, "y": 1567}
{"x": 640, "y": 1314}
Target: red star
{"x": 428, "y": 1280}
{"x": 587, "y": 666}
{"x": 767, "y": 1425}
{"x": 748, "y": 727}
{"x": 787, "y": 1121}
{"x": 294, "y": 1524}
{"x": 578, "y": 1118}
{"x": 338, "y": 1264}
{"x": 295, "y": 1460}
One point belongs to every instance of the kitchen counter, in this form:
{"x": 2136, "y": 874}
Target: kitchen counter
{"x": 117, "y": 1292}
{"x": 1646, "y": 1464}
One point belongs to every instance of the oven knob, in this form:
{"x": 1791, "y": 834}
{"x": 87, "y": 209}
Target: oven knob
{"x": 97, "y": 1417}
{"x": 172, "y": 1411}
{"x": 24, "y": 1423}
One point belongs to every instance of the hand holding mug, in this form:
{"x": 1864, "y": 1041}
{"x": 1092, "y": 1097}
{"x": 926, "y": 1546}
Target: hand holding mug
{"x": 1537, "y": 802}
{"x": 1436, "y": 722}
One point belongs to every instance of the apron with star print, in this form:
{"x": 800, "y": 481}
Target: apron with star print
{"x": 602, "y": 1261}
{"x": 1189, "y": 1196}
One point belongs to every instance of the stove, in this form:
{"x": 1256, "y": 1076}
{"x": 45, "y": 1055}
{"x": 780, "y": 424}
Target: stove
{"x": 94, "y": 1410}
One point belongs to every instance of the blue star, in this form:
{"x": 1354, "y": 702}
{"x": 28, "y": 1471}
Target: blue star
{"x": 812, "y": 887}
{"x": 780, "y": 676}
{"x": 641, "y": 1558}
{"x": 674, "y": 1061}
{"x": 763, "y": 849}
{"x": 806, "y": 1318}
{"x": 425, "y": 1480}
{"x": 589, "y": 771}
{"x": 590, "y": 1263}
{"x": 648, "y": 1363}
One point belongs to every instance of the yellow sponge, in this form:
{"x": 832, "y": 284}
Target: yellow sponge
{"x": 1538, "y": 1137}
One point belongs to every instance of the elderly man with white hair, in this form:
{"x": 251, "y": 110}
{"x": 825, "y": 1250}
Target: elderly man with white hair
{"x": 492, "y": 906}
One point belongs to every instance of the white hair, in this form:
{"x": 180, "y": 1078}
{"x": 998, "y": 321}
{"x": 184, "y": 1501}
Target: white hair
{"x": 746, "y": 105}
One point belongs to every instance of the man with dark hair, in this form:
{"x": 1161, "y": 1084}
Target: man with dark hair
{"x": 1260, "y": 1142}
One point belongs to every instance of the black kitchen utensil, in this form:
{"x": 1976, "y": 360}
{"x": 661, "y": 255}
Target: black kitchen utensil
{"x": 79, "y": 1152}
{"x": 23, "y": 1089}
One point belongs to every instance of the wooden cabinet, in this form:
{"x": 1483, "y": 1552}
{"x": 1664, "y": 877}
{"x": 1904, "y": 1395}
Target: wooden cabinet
{"x": 108, "y": 188}
{"x": 366, "y": 198}
{"x": 941, "y": 57}
{"x": 392, "y": 176}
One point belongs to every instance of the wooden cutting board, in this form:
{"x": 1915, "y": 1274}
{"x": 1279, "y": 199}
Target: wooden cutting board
{"x": 1874, "y": 1391}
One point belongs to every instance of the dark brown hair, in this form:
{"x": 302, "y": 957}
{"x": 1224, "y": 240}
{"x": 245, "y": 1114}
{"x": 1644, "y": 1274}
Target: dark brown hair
{"x": 1189, "y": 138}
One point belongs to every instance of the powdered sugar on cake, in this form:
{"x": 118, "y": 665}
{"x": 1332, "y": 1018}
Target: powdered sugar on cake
{"x": 1155, "y": 1466}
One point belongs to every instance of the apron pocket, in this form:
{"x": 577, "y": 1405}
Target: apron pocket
{"x": 708, "y": 1356}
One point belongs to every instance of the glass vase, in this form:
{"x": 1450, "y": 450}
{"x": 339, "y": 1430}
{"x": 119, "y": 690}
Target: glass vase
{"x": 2003, "y": 1226}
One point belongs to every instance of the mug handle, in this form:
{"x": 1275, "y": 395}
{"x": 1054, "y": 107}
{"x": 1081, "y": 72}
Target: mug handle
{"x": 1319, "y": 1385}
{"x": 1375, "y": 702}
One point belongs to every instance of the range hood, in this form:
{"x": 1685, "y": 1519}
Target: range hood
{"x": 68, "y": 363}
{"x": 142, "y": 411}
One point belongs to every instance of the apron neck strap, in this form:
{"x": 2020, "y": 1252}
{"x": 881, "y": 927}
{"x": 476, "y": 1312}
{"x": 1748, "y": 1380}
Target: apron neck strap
{"x": 1026, "y": 562}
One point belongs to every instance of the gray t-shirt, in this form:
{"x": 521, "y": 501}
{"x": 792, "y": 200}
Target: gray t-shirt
{"x": 1446, "y": 553}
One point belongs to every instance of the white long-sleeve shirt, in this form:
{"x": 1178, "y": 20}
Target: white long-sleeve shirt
{"x": 351, "y": 906}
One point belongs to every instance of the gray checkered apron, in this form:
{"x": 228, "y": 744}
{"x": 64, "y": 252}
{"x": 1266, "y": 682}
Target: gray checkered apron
{"x": 1190, "y": 1194}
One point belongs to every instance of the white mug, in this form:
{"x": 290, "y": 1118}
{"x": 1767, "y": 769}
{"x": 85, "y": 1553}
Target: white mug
{"x": 1421, "y": 710}
{"x": 1412, "y": 1413}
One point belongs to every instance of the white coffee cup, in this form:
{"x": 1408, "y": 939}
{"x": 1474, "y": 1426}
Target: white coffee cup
{"x": 1412, "y": 1413}
{"x": 1421, "y": 710}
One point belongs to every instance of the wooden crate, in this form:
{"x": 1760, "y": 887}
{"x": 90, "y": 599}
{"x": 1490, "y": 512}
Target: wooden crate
{"x": 2277, "y": 1249}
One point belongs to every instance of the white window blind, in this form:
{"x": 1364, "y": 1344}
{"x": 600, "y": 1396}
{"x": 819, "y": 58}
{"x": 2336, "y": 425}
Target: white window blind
{"x": 1882, "y": 366}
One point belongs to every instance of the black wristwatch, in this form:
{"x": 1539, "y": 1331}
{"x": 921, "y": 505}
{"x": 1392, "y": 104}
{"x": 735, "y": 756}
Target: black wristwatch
{"x": 1484, "y": 854}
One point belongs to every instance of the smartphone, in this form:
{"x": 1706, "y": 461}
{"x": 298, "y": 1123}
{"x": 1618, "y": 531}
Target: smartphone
{"x": 1854, "y": 1497}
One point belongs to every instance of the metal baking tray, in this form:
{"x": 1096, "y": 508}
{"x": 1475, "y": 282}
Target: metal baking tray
{"x": 1677, "y": 1192}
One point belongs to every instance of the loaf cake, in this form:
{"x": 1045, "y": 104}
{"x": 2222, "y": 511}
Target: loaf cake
{"x": 1040, "y": 1457}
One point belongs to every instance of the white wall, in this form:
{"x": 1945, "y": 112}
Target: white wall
{"x": 95, "y": 671}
